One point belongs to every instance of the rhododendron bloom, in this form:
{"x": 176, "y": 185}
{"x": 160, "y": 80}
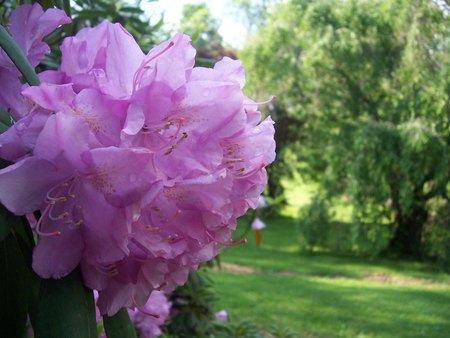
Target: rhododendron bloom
{"x": 140, "y": 164}
{"x": 221, "y": 315}
{"x": 257, "y": 224}
{"x": 28, "y": 25}
{"x": 147, "y": 319}
{"x": 262, "y": 202}
{"x": 151, "y": 316}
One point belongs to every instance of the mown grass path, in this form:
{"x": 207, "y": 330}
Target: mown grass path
{"x": 324, "y": 295}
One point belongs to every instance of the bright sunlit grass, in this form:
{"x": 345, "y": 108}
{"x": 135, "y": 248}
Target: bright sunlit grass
{"x": 323, "y": 295}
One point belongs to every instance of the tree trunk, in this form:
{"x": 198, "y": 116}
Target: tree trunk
{"x": 406, "y": 241}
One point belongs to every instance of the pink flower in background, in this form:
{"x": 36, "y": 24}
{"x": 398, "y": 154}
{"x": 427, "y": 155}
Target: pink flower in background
{"x": 222, "y": 315}
{"x": 262, "y": 202}
{"x": 28, "y": 25}
{"x": 257, "y": 224}
{"x": 139, "y": 164}
{"x": 149, "y": 318}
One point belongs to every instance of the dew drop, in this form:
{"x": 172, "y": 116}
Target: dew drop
{"x": 20, "y": 126}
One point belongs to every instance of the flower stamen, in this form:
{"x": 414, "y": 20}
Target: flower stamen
{"x": 228, "y": 244}
{"x": 139, "y": 308}
{"x": 39, "y": 224}
{"x": 241, "y": 173}
{"x": 272, "y": 98}
{"x": 143, "y": 67}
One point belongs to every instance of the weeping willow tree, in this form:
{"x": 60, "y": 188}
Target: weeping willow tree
{"x": 363, "y": 91}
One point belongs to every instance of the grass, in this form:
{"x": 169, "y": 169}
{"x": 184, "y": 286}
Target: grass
{"x": 323, "y": 295}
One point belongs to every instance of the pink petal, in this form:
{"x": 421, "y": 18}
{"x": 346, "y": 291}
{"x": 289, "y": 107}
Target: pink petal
{"x": 62, "y": 141}
{"x": 112, "y": 174}
{"x": 233, "y": 69}
{"x": 20, "y": 139}
{"x": 29, "y": 25}
{"x": 134, "y": 122}
{"x": 104, "y": 229}
{"x": 57, "y": 256}
{"x": 114, "y": 297}
{"x": 10, "y": 98}
{"x": 104, "y": 116}
{"x": 93, "y": 278}
{"x": 24, "y": 185}
{"x": 85, "y": 51}
{"x": 119, "y": 72}
{"x": 52, "y": 97}
{"x": 92, "y": 58}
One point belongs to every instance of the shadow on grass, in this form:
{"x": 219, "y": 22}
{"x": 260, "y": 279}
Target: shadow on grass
{"x": 280, "y": 252}
{"x": 335, "y": 308}
{"x": 329, "y": 295}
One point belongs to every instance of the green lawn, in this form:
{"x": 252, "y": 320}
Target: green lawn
{"x": 323, "y": 295}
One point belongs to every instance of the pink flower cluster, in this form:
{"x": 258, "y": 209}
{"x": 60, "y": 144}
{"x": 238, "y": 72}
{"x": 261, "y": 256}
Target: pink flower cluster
{"x": 139, "y": 164}
{"x": 147, "y": 320}
{"x": 152, "y": 316}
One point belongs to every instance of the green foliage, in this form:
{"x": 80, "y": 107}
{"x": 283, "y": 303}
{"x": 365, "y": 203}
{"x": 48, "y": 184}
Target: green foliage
{"x": 14, "y": 52}
{"x": 131, "y": 16}
{"x": 87, "y": 13}
{"x": 438, "y": 235}
{"x": 329, "y": 295}
{"x": 192, "y": 314}
{"x": 65, "y": 308}
{"x": 192, "y": 307}
{"x": 363, "y": 102}
{"x": 252, "y": 13}
{"x": 314, "y": 224}
{"x": 198, "y": 22}
{"x": 119, "y": 325}
{"x": 18, "y": 283}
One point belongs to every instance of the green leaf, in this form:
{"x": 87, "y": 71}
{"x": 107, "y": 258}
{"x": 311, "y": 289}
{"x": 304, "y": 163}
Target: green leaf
{"x": 65, "y": 309}
{"x": 64, "y": 5}
{"x": 5, "y": 118}
{"x": 46, "y": 4}
{"x": 6, "y": 223}
{"x": 3, "y": 127}
{"x": 18, "y": 283}
{"x": 134, "y": 10}
{"x": 67, "y": 8}
{"x": 204, "y": 62}
{"x": 90, "y": 14}
{"x": 119, "y": 325}
{"x": 18, "y": 57}
{"x": 13, "y": 308}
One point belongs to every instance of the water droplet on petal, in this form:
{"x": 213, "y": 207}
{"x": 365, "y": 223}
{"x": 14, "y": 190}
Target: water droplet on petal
{"x": 20, "y": 126}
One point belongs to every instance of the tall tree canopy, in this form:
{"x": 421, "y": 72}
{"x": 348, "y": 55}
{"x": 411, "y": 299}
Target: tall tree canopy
{"x": 198, "y": 22}
{"x": 363, "y": 92}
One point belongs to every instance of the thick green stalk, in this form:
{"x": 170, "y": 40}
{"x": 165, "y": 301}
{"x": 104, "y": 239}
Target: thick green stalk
{"x": 17, "y": 56}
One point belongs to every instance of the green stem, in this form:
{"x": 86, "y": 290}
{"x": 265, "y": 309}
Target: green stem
{"x": 119, "y": 325}
{"x": 17, "y": 56}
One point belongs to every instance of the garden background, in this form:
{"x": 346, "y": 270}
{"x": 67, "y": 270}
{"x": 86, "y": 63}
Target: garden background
{"x": 357, "y": 214}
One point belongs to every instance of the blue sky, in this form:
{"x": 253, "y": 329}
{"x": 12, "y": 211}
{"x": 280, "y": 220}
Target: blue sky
{"x": 232, "y": 31}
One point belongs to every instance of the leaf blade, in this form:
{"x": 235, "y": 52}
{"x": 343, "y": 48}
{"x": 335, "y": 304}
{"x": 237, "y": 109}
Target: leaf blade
{"x": 119, "y": 325}
{"x": 65, "y": 309}
{"x": 18, "y": 57}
